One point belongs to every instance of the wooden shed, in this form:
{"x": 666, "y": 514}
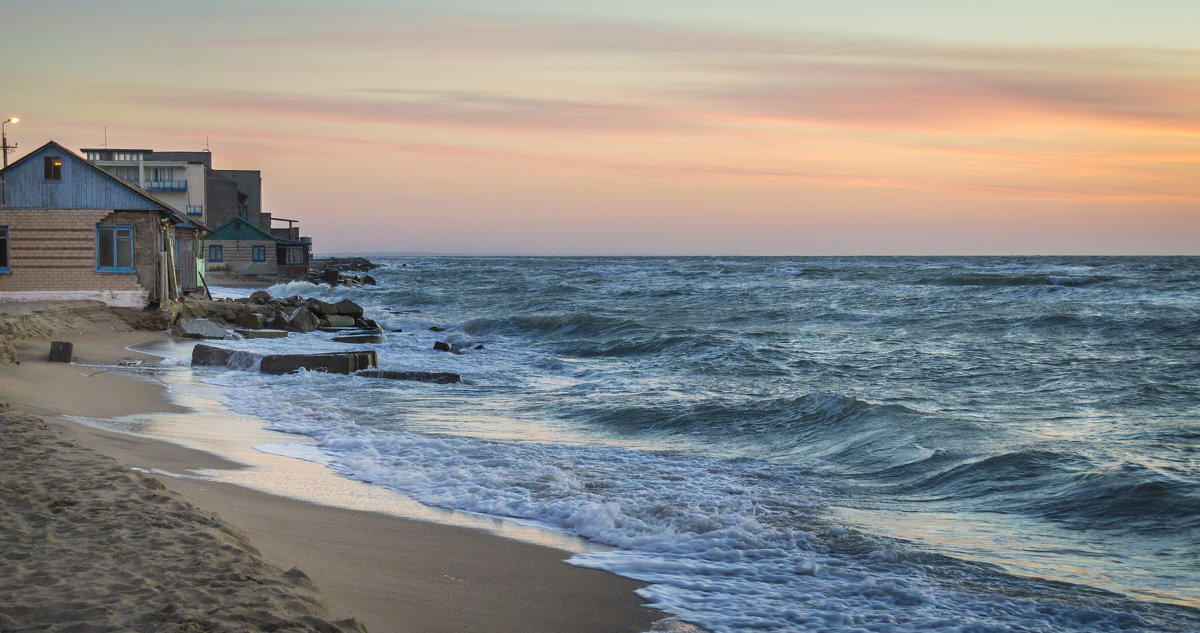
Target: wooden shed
{"x": 68, "y": 230}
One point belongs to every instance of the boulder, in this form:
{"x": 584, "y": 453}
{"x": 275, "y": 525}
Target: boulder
{"x": 368, "y": 325}
{"x": 213, "y": 356}
{"x": 332, "y": 362}
{"x": 330, "y": 277}
{"x": 441, "y": 378}
{"x": 346, "y": 307}
{"x": 369, "y": 280}
{"x": 338, "y": 320}
{"x": 322, "y": 308}
{"x": 302, "y": 320}
{"x": 260, "y": 296}
{"x": 441, "y": 346}
{"x": 252, "y": 321}
{"x": 197, "y": 328}
{"x": 210, "y": 355}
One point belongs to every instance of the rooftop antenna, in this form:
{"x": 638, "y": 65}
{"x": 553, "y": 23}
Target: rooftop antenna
{"x": 206, "y": 147}
{"x": 105, "y": 137}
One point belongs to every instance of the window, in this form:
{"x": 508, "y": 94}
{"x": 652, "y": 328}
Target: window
{"x": 114, "y": 249}
{"x": 4, "y": 249}
{"x": 258, "y": 253}
{"x": 162, "y": 173}
{"x": 295, "y": 255}
{"x": 195, "y": 209}
{"x": 215, "y": 253}
{"x": 52, "y": 167}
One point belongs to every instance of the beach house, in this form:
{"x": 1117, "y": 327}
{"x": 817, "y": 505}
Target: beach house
{"x": 70, "y": 230}
{"x": 211, "y": 197}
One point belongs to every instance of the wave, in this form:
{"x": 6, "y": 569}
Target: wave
{"x": 827, "y": 431}
{"x": 576, "y": 324}
{"x": 1013, "y": 279}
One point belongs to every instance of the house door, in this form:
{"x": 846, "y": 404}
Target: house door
{"x": 186, "y": 256}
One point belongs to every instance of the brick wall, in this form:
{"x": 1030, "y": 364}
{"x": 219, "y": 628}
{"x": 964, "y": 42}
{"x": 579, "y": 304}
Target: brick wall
{"x": 55, "y": 250}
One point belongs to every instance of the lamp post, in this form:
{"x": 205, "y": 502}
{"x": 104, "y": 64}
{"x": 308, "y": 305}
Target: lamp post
{"x": 4, "y": 137}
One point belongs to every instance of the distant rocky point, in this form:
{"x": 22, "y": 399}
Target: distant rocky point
{"x": 342, "y": 271}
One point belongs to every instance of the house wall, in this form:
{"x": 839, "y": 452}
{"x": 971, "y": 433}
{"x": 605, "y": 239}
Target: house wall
{"x": 52, "y": 255}
{"x": 81, "y": 187}
{"x": 238, "y": 258}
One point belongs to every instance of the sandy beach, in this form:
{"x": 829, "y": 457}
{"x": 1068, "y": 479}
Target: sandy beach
{"x": 89, "y": 544}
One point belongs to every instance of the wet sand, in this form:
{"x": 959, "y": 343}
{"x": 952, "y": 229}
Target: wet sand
{"x": 389, "y": 573}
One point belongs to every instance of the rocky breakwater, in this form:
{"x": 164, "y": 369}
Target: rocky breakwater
{"x": 261, "y": 312}
{"x": 346, "y": 271}
{"x": 264, "y": 316}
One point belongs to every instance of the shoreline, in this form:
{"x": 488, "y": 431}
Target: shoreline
{"x": 389, "y": 573}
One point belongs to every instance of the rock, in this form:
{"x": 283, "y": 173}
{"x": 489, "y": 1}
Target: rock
{"x": 441, "y": 378}
{"x": 262, "y": 333}
{"x": 213, "y": 356}
{"x": 321, "y": 308}
{"x": 252, "y": 321}
{"x": 338, "y": 320}
{"x": 441, "y": 346}
{"x": 331, "y": 276}
{"x": 198, "y": 328}
{"x": 61, "y": 351}
{"x": 210, "y": 356}
{"x": 369, "y": 325}
{"x": 434, "y": 328}
{"x": 346, "y": 307}
{"x": 277, "y": 320}
{"x": 480, "y": 346}
{"x": 260, "y": 296}
{"x": 332, "y": 362}
{"x": 369, "y": 280}
{"x": 302, "y": 320}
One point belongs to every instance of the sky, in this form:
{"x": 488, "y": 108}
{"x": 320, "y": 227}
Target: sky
{"x": 923, "y": 127}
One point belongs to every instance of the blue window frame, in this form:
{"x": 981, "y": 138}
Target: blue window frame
{"x": 114, "y": 249}
{"x": 258, "y": 253}
{"x": 216, "y": 253}
{"x": 4, "y": 250}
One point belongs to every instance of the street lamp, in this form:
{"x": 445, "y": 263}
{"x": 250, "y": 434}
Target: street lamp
{"x": 4, "y": 137}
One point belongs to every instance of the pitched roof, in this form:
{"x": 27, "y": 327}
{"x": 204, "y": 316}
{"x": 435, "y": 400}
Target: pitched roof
{"x": 166, "y": 209}
{"x": 240, "y": 229}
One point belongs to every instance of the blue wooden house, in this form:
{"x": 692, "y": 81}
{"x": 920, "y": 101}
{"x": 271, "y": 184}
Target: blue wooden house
{"x": 68, "y": 230}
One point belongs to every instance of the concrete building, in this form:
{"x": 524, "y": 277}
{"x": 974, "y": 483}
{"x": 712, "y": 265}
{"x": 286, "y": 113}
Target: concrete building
{"x": 70, "y": 230}
{"x": 177, "y": 178}
{"x": 212, "y": 197}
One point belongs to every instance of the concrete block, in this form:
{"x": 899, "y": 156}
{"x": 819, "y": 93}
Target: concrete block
{"x": 61, "y": 351}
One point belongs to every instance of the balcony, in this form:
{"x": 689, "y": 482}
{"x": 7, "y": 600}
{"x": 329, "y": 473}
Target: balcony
{"x": 195, "y": 210}
{"x": 166, "y": 185}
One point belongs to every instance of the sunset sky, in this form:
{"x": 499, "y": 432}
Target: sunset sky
{"x": 651, "y": 127}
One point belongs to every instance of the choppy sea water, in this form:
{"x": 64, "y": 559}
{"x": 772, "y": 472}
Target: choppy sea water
{"x": 784, "y": 444}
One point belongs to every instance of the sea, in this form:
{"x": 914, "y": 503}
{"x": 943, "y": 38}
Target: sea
{"x": 888, "y": 444}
